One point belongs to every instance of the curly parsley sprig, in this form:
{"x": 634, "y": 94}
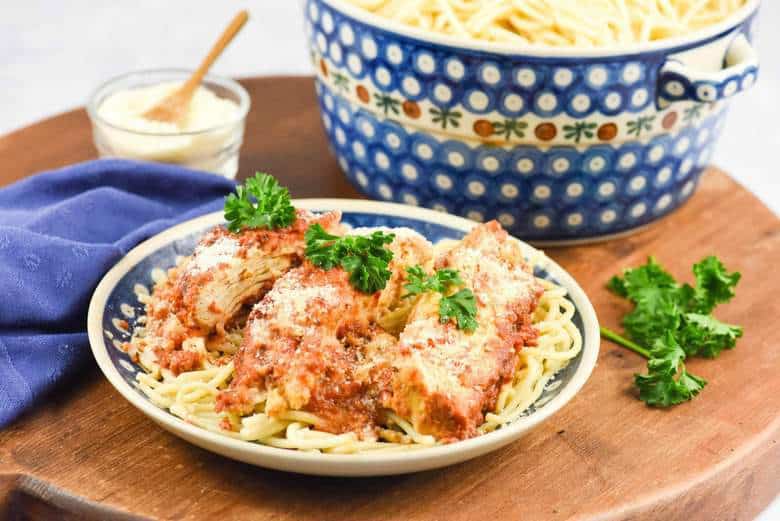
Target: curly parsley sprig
{"x": 667, "y": 382}
{"x": 460, "y": 306}
{"x": 365, "y": 258}
{"x": 260, "y": 203}
{"x": 676, "y": 320}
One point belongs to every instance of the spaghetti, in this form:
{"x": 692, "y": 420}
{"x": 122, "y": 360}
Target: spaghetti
{"x": 560, "y": 23}
{"x": 193, "y": 395}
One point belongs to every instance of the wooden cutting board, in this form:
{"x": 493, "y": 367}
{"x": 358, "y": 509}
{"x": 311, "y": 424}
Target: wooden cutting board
{"x": 86, "y": 453}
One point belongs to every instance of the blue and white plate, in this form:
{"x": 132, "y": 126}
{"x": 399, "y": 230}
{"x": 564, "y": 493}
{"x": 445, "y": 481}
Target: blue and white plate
{"x": 115, "y": 299}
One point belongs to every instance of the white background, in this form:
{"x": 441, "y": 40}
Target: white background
{"x": 53, "y": 53}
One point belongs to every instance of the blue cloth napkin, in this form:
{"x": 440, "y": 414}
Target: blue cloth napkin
{"x": 60, "y": 232}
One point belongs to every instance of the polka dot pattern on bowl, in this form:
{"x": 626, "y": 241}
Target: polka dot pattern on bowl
{"x": 559, "y": 193}
{"x": 575, "y": 89}
{"x": 673, "y": 86}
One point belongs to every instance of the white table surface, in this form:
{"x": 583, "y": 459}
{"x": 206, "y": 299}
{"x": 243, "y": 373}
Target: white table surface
{"x": 53, "y": 53}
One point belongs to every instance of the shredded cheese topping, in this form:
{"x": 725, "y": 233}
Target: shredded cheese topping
{"x": 206, "y": 257}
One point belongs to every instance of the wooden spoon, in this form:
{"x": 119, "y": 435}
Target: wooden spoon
{"x": 173, "y": 108}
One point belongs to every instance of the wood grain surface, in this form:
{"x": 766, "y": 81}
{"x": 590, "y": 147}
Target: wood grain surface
{"x": 88, "y": 454}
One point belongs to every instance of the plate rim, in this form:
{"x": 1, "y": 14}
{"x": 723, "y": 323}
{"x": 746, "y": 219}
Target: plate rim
{"x": 348, "y": 464}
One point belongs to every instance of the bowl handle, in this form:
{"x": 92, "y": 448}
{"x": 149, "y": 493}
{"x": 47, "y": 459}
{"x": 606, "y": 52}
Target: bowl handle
{"x": 679, "y": 82}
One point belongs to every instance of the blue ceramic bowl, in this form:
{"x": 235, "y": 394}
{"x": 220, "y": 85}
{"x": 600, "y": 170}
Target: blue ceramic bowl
{"x": 557, "y": 144}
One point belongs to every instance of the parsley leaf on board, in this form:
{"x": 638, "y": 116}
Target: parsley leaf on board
{"x": 647, "y": 277}
{"x": 662, "y": 304}
{"x": 664, "y": 391}
{"x": 460, "y": 306}
{"x": 676, "y": 320}
{"x": 714, "y": 285}
{"x": 707, "y": 336}
{"x": 667, "y": 382}
{"x": 260, "y": 203}
{"x": 365, "y": 258}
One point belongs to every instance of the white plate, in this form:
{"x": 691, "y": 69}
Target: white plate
{"x": 160, "y": 252}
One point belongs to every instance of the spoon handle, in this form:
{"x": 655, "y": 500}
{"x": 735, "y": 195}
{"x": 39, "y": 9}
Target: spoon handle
{"x": 225, "y": 38}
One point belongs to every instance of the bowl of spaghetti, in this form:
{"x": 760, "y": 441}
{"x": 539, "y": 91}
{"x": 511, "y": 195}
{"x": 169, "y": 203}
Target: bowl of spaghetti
{"x": 239, "y": 343}
{"x": 565, "y": 121}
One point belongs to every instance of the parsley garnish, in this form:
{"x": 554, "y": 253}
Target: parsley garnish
{"x": 460, "y": 306}
{"x": 676, "y": 320}
{"x": 364, "y": 257}
{"x": 667, "y": 382}
{"x": 271, "y": 208}
{"x": 421, "y": 282}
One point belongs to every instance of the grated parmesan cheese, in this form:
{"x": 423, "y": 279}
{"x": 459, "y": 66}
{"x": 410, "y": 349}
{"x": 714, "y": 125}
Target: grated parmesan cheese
{"x": 288, "y": 303}
{"x": 206, "y": 257}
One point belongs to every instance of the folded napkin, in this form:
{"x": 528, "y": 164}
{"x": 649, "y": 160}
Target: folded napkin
{"x": 60, "y": 232}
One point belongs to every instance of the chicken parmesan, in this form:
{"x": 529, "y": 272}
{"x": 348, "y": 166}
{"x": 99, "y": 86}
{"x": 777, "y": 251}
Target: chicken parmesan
{"x": 445, "y": 379}
{"x": 316, "y": 336}
{"x": 199, "y": 308}
{"x": 308, "y": 345}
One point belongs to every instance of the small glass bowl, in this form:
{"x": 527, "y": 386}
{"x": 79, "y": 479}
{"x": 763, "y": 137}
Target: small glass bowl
{"x": 212, "y": 149}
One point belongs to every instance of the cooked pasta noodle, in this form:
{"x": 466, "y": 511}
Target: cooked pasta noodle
{"x": 594, "y": 23}
{"x": 192, "y": 395}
